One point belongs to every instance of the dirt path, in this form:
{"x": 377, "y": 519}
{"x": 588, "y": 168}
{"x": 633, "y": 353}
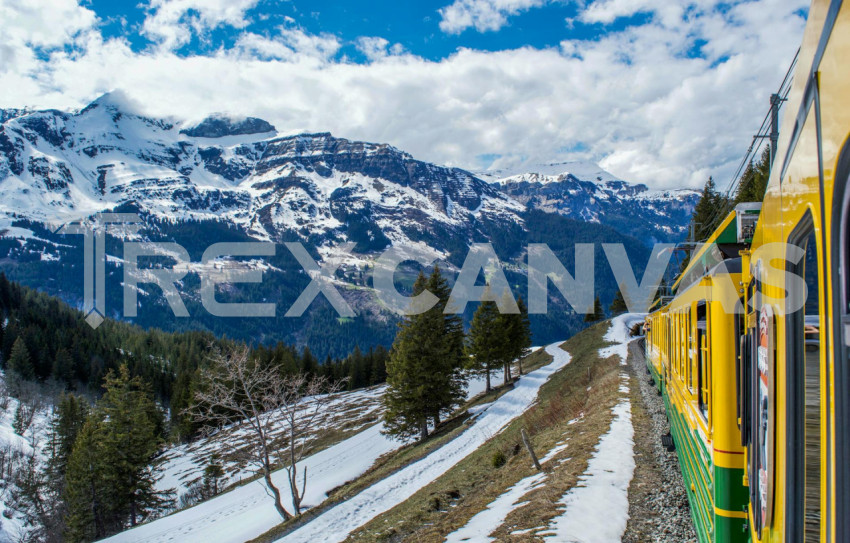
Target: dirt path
{"x": 658, "y": 504}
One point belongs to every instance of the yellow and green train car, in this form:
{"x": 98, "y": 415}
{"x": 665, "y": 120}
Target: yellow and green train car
{"x": 691, "y": 354}
{"x": 777, "y": 370}
{"x": 795, "y": 380}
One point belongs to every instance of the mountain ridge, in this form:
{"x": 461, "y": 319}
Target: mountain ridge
{"x": 322, "y": 190}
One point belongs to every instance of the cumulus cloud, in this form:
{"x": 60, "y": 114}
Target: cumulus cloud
{"x": 375, "y": 48}
{"x": 607, "y": 11}
{"x": 32, "y": 29}
{"x": 634, "y": 99}
{"x": 171, "y": 23}
{"x": 483, "y": 15}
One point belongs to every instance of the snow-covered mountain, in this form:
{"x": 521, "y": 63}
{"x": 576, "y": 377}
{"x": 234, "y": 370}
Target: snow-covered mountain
{"x": 57, "y": 166}
{"x": 548, "y": 172}
{"x": 584, "y": 191}
{"x": 229, "y": 179}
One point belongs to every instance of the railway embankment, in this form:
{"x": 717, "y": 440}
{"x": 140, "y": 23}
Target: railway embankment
{"x": 658, "y": 505}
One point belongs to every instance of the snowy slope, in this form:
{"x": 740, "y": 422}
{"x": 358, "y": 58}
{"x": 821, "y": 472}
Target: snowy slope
{"x": 336, "y": 523}
{"x": 618, "y": 333}
{"x": 477, "y": 528}
{"x": 247, "y": 511}
{"x": 597, "y": 508}
{"x": 184, "y": 464}
{"x": 17, "y": 448}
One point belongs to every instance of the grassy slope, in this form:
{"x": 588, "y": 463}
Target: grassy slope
{"x": 448, "y": 503}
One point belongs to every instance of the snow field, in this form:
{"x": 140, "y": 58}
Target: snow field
{"x": 597, "y": 509}
{"x": 618, "y": 333}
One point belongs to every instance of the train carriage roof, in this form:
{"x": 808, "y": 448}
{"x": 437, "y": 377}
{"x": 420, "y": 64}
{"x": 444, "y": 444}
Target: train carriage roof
{"x": 732, "y": 236}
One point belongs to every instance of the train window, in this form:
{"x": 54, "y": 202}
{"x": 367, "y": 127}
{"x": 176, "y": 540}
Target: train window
{"x": 739, "y": 332}
{"x": 745, "y": 358}
{"x": 687, "y": 348}
{"x": 702, "y": 354}
{"x": 804, "y": 394}
{"x": 680, "y": 329}
{"x": 678, "y": 372}
{"x": 683, "y": 345}
{"x": 761, "y": 367}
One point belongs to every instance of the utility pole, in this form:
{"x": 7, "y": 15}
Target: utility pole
{"x": 775, "y": 101}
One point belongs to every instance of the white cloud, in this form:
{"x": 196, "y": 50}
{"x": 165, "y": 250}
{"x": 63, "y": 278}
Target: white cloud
{"x": 376, "y": 48}
{"x": 289, "y": 44}
{"x": 607, "y": 11}
{"x": 373, "y": 48}
{"x": 171, "y": 23}
{"x": 632, "y": 99}
{"x": 44, "y": 23}
{"x": 32, "y": 28}
{"x": 483, "y": 15}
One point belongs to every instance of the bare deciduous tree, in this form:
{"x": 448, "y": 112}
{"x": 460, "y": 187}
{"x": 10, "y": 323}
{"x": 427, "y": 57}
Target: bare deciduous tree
{"x": 237, "y": 388}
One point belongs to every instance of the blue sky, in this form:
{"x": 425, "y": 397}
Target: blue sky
{"x": 414, "y": 25}
{"x": 662, "y": 92}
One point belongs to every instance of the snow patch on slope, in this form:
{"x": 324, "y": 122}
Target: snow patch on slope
{"x": 597, "y": 508}
{"x": 496, "y": 512}
{"x": 13, "y": 527}
{"x": 619, "y": 333}
{"x": 247, "y": 511}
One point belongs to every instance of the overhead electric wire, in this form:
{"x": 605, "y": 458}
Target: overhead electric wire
{"x": 755, "y": 146}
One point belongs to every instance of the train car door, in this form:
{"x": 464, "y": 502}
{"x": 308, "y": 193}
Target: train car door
{"x": 803, "y": 419}
{"x": 840, "y": 241}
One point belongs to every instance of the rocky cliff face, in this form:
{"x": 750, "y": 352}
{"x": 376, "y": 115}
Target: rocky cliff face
{"x": 218, "y": 126}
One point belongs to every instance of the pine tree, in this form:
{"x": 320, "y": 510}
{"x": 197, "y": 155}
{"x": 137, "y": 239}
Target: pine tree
{"x": 68, "y": 419}
{"x": 708, "y": 211}
{"x": 19, "y": 360}
{"x": 519, "y": 334}
{"x": 450, "y": 389}
{"x": 86, "y": 489}
{"x": 618, "y": 306}
{"x": 212, "y": 474}
{"x": 63, "y": 367}
{"x": 37, "y": 496}
{"x": 753, "y": 182}
{"x": 597, "y": 314}
{"x": 41, "y": 491}
{"x": 309, "y": 364}
{"x": 424, "y": 368}
{"x": 111, "y": 471}
{"x": 483, "y": 342}
{"x": 130, "y": 440}
{"x": 379, "y": 365}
